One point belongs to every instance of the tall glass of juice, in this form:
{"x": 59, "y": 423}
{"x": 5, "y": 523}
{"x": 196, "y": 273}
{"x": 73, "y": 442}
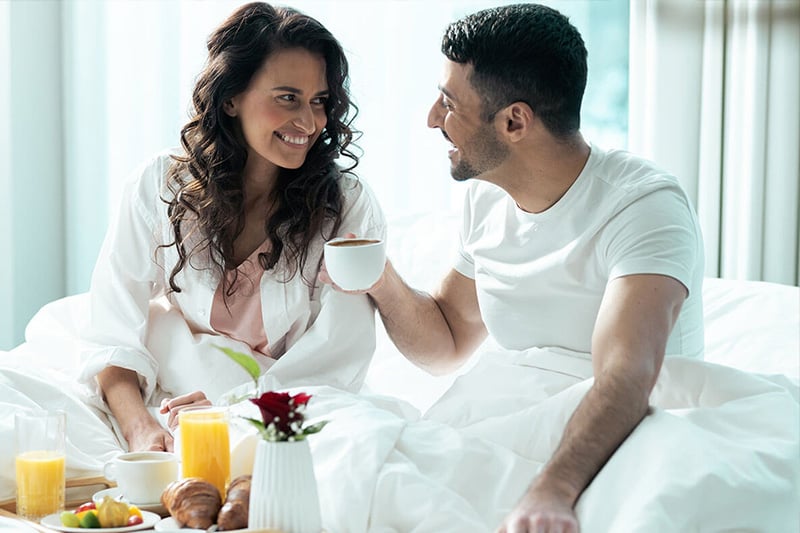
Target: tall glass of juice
{"x": 40, "y": 465}
{"x": 205, "y": 445}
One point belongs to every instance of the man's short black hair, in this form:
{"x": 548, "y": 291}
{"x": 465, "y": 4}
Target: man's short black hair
{"x": 523, "y": 53}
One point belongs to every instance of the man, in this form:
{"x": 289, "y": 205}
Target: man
{"x": 563, "y": 244}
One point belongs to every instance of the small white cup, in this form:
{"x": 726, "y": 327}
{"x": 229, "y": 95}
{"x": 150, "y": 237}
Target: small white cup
{"x": 142, "y": 476}
{"x": 355, "y": 264}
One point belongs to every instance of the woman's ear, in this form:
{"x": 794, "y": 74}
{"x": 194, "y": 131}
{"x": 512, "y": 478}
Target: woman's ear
{"x": 230, "y": 108}
{"x": 515, "y": 121}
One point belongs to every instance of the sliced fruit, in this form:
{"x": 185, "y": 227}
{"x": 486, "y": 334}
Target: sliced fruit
{"x": 89, "y": 519}
{"x": 70, "y": 519}
{"x": 86, "y": 507}
{"x": 112, "y": 513}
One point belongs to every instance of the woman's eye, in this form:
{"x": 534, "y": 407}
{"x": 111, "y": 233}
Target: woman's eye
{"x": 287, "y": 97}
{"x": 322, "y": 100}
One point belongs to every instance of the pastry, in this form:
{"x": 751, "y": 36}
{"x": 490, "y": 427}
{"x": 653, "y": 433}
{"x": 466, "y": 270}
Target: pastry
{"x": 234, "y": 512}
{"x": 192, "y": 502}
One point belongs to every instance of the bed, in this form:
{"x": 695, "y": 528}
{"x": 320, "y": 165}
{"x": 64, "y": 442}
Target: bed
{"x": 719, "y": 452}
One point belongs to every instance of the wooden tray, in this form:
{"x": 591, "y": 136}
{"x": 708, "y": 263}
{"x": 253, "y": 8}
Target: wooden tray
{"x": 77, "y": 490}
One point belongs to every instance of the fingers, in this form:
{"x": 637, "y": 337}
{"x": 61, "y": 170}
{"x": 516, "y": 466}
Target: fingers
{"x": 175, "y": 405}
{"x": 162, "y": 441}
{"x": 324, "y": 277}
{"x": 169, "y": 443}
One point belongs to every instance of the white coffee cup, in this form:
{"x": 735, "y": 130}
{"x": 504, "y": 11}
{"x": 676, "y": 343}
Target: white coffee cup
{"x": 355, "y": 264}
{"x": 142, "y": 476}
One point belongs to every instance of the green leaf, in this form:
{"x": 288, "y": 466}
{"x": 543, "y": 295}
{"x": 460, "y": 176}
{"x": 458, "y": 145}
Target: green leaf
{"x": 244, "y": 360}
{"x": 257, "y": 423}
{"x": 314, "y": 428}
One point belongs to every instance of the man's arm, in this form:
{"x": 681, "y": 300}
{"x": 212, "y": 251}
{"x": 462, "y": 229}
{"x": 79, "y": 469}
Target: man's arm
{"x": 437, "y": 333}
{"x": 635, "y": 319}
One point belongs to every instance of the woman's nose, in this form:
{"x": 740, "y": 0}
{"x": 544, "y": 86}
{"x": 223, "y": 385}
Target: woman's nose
{"x": 304, "y": 120}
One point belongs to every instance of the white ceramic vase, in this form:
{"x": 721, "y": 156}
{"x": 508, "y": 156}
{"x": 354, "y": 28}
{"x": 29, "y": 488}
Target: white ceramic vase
{"x": 283, "y": 491}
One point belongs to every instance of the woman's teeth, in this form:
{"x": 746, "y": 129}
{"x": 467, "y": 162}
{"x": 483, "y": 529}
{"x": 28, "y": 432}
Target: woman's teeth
{"x": 292, "y": 139}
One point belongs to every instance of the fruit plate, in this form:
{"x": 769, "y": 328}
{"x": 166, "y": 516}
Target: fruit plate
{"x": 115, "y": 493}
{"x": 53, "y": 521}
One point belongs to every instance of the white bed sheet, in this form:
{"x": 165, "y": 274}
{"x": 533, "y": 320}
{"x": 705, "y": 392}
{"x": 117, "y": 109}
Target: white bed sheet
{"x": 721, "y": 450}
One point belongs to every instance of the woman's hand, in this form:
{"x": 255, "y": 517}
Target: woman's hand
{"x": 175, "y": 405}
{"x": 120, "y": 388}
{"x": 152, "y": 438}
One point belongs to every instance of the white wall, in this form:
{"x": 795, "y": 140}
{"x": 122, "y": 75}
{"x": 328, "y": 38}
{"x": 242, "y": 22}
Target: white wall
{"x": 32, "y": 232}
{"x": 6, "y": 285}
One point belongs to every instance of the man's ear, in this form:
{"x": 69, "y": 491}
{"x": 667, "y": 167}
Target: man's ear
{"x": 230, "y": 108}
{"x": 515, "y": 121}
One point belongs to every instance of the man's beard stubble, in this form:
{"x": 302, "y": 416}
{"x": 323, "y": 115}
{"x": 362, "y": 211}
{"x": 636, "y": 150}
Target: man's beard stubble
{"x": 487, "y": 153}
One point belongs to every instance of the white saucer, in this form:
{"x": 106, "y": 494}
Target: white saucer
{"x": 15, "y": 526}
{"x": 171, "y": 525}
{"x": 53, "y": 521}
{"x": 115, "y": 493}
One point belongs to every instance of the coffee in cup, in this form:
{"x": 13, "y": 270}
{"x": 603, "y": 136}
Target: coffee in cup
{"x": 142, "y": 476}
{"x": 355, "y": 264}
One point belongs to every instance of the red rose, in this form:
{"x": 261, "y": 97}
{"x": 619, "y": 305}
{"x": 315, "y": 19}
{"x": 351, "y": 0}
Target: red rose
{"x": 301, "y": 398}
{"x": 280, "y": 408}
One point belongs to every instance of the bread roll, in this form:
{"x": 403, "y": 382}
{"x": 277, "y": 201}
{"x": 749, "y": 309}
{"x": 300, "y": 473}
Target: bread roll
{"x": 192, "y": 502}
{"x": 234, "y": 513}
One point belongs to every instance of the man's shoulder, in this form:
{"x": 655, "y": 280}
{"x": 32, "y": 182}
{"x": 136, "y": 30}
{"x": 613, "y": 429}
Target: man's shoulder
{"x": 630, "y": 172}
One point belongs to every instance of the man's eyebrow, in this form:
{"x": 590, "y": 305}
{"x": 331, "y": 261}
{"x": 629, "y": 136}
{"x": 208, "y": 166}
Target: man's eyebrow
{"x": 447, "y": 93}
{"x": 295, "y": 90}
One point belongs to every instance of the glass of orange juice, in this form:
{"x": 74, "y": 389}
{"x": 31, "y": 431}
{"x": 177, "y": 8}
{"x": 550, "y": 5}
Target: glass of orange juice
{"x": 40, "y": 465}
{"x": 205, "y": 445}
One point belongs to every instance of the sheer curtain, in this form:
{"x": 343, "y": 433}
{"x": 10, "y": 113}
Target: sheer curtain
{"x": 715, "y": 98}
{"x": 89, "y": 89}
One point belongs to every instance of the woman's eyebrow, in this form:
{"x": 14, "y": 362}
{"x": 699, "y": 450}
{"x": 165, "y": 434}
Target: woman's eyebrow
{"x": 295, "y": 90}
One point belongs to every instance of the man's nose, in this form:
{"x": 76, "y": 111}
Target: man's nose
{"x": 435, "y": 114}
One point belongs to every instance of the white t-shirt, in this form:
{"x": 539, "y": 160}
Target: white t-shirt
{"x": 540, "y": 277}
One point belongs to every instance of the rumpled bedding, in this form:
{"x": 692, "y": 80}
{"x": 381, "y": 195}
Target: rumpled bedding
{"x": 719, "y": 451}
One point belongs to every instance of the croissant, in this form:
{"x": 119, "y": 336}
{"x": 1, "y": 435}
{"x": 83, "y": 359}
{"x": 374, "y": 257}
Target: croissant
{"x": 234, "y": 512}
{"x": 192, "y": 502}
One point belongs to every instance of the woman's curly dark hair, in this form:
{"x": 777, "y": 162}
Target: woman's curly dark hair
{"x": 207, "y": 182}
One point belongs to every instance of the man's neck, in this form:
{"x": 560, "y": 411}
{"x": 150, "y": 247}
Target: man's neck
{"x": 537, "y": 178}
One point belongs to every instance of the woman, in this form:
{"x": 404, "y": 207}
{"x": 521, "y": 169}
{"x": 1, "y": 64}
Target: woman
{"x": 223, "y": 241}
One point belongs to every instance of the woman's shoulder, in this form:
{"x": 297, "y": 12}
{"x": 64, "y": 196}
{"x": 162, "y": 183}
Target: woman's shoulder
{"x": 360, "y": 201}
{"x": 151, "y": 175}
{"x": 355, "y": 190}
{"x": 147, "y": 185}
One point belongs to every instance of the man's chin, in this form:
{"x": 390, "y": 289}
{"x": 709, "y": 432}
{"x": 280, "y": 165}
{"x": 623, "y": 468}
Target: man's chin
{"x": 462, "y": 172}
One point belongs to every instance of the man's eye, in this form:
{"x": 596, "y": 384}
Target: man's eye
{"x": 446, "y": 104}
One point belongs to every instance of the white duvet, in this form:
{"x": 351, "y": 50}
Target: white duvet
{"x": 719, "y": 452}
